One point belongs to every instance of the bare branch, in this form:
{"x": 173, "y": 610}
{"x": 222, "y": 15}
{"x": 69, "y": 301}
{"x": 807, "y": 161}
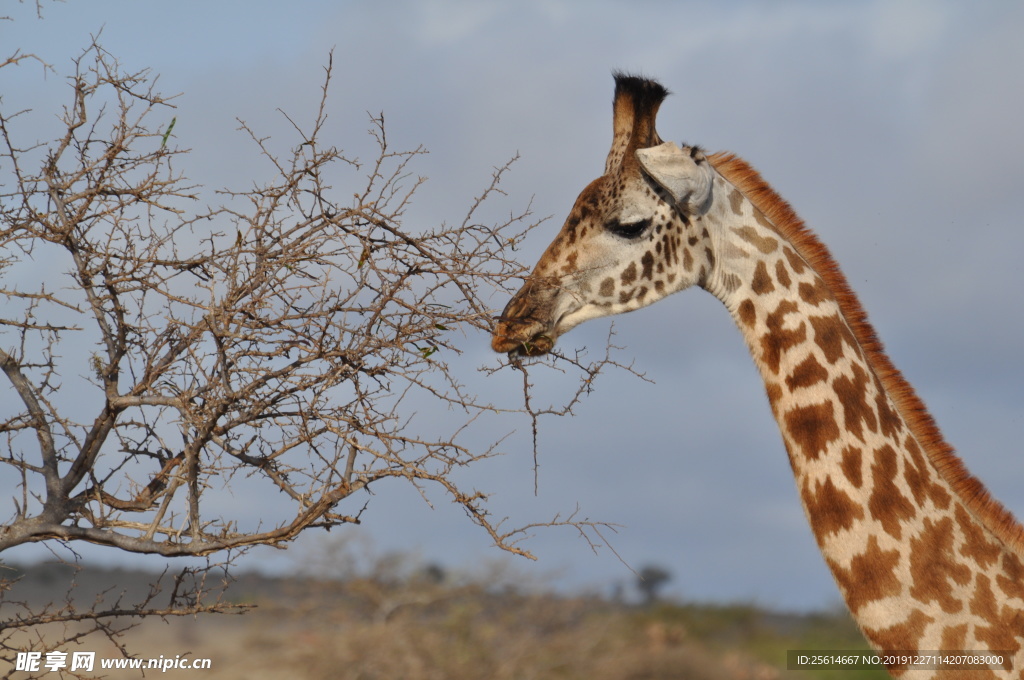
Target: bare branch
{"x": 276, "y": 345}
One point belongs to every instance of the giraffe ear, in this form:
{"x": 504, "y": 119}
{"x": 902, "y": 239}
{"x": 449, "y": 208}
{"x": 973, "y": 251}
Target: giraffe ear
{"x": 686, "y": 176}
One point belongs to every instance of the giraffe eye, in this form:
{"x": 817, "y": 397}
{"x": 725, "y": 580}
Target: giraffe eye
{"x": 627, "y": 230}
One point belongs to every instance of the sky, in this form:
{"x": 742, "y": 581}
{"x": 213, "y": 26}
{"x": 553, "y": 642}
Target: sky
{"x": 892, "y": 127}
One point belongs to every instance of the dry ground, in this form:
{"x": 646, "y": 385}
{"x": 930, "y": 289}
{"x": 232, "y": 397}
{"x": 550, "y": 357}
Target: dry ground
{"x": 421, "y": 628}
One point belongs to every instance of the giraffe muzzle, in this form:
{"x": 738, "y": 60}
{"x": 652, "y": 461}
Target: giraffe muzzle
{"x": 508, "y": 339}
{"x": 523, "y": 328}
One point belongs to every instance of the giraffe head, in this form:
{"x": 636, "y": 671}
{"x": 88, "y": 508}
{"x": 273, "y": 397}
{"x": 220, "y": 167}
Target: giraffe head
{"x": 632, "y": 237}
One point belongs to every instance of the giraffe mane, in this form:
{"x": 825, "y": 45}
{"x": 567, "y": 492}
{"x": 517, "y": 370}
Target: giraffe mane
{"x": 921, "y": 424}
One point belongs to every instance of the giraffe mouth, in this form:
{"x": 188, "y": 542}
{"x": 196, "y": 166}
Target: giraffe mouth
{"x": 522, "y": 337}
{"x": 531, "y": 321}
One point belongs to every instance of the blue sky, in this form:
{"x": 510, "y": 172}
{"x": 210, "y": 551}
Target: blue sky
{"x": 893, "y": 128}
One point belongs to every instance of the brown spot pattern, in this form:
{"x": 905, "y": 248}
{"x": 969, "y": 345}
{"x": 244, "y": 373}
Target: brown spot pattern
{"x": 852, "y": 395}
{"x": 671, "y": 250}
{"x": 796, "y": 263}
{"x": 901, "y": 636}
{"x": 647, "y": 261}
{"x": 871, "y": 576}
{"x": 629, "y": 275}
{"x": 778, "y": 340}
{"x": 920, "y": 479}
{"x": 765, "y": 244}
{"x": 954, "y": 637}
{"x": 887, "y": 504}
{"x": 830, "y": 509}
{"x": 851, "y": 465}
{"x": 570, "y": 263}
{"x": 762, "y": 282}
{"x": 889, "y": 422}
{"x": 812, "y": 428}
{"x": 915, "y": 472}
{"x": 976, "y": 544}
{"x": 1005, "y": 621}
{"x": 933, "y": 565}
{"x": 1011, "y": 580}
{"x": 782, "y": 274}
{"x": 831, "y": 334}
{"x": 814, "y": 293}
{"x": 807, "y": 373}
{"x": 736, "y": 202}
{"x": 747, "y": 313}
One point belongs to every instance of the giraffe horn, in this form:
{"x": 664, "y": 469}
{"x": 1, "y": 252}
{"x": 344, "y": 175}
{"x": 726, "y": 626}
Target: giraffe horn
{"x": 635, "y": 109}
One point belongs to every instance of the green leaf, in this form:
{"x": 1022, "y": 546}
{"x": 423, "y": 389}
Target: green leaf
{"x": 167, "y": 135}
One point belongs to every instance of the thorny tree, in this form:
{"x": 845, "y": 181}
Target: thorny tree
{"x": 158, "y": 356}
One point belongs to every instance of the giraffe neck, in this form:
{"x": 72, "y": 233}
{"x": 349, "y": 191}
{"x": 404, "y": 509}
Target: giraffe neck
{"x": 925, "y": 559}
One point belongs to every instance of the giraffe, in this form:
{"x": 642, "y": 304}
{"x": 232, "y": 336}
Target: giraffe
{"x": 924, "y": 557}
